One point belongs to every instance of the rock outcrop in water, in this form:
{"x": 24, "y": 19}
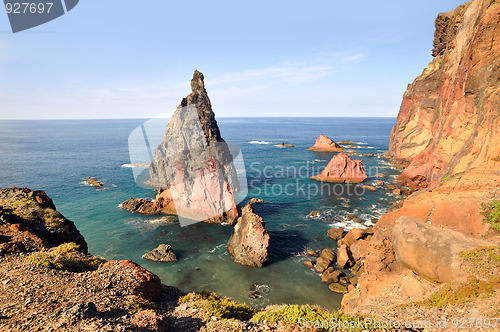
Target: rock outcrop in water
{"x": 342, "y": 168}
{"x": 193, "y": 164}
{"x": 448, "y": 127}
{"x": 325, "y": 144}
{"x": 250, "y": 241}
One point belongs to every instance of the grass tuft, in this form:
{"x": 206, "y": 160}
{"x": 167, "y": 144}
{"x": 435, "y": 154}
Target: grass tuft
{"x": 67, "y": 257}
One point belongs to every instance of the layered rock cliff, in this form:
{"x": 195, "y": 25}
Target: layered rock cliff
{"x": 449, "y": 117}
{"x": 193, "y": 163}
{"x": 448, "y": 128}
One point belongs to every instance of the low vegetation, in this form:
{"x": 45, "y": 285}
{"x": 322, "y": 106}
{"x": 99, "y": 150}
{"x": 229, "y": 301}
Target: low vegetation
{"x": 138, "y": 304}
{"x": 230, "y": 313}
{"x": 292, "y": 313}
{"x": 491, "y": 214}
{"x": 213, "y": 305}
{"x": 459, "y": 294}
{"x": 483, "y": 266}
{"x": 67, "y": 257}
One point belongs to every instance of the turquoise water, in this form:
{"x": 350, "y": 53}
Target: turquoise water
{"x": 55, "y": 156}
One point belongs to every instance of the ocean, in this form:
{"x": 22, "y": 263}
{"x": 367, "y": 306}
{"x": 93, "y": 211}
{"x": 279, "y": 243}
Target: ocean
{"x": 56, "y": 156}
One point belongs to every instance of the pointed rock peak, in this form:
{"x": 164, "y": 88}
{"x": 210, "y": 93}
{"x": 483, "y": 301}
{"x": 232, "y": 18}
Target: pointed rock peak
{"x": 198, "y": 82}
{"x": 324, "y": 143}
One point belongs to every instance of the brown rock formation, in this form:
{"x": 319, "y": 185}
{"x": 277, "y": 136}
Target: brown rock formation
{"x": 29, "y": 221}
{"x": 194, "y": 164}
{"x": 250, "y": 241}
{"x": 148, "y": 285}
{"x": 162, "y": 253}
{"x": 430, "y": 251}
{"x": 342, "y": 168}
{"x": 325, "y": 144}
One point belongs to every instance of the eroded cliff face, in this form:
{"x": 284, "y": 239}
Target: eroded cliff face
{"x": 448, "y": 126}
{"x": 449, "y": 117}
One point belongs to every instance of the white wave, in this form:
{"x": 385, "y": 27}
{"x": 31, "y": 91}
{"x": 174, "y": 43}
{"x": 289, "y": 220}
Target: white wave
{"x": 214, "y": 249}
{"x": 120, "y": 205}
{"x": 319, "y": 160}
{"x": 144, "y": 165}
{"x": 259, "y": 142}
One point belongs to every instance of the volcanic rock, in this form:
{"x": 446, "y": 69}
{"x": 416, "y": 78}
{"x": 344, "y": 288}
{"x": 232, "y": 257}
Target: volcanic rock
{"x": 331, "y": 277}
{"x": 335, "y": 233}
{"x": 93, "y": 182}
{"x": 325, "y": 144}
{"x": 344, "y": 257}
{"x": 194, "y": 164}
{"x": 140, "y": 205}
{"x": 342, "y": 168}
{"x": 311, "y": 253}
{"x": 338, "y": 288}
{"x": 309, "y": 264}
{"x": 163, "y": 253}
{"x": 250, "y": 241}
{"x": 283, "y": 145}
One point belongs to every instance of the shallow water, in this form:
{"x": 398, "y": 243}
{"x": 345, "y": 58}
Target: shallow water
{"x": 55, "y": 156}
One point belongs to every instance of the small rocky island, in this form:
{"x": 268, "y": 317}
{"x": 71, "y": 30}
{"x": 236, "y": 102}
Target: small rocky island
{"x": 342, "y": 169}
{"x": 325, "y": 144}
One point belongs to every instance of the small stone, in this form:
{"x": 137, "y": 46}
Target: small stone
{"x": 311, "y": 253}
{"x": 314, "y": 213}
{"x": 338, "y": 288}
{"x": 163, "y": 253}
{"x": 309, "y": 264}
{"x": 254, "y": 295}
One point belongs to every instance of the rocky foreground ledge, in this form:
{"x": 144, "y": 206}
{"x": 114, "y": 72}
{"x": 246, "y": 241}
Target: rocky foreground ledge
{"x": 49, "y": 282}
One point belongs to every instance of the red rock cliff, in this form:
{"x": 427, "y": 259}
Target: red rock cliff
{"x": 448, "y": 126}
{"x": 449, "y": 117}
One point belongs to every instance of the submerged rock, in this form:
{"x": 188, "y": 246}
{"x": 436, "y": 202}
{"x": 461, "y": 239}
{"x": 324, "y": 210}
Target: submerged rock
{"x": 93, "y": 182}
{"x": 325, "y": 144}
{"x": 314, "y": 213}
{"x": 250, "y": 241}
{"x": 163, "y": 253}
{"x": 285, "y": 145}
{"x": 342, "y": 168}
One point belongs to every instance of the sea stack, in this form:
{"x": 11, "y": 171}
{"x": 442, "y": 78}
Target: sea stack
{"x": 193, "y": 163}
{"x": 325, "y": 144}
{"x": 249, "y": 243}
{"x": 342, "y": 169}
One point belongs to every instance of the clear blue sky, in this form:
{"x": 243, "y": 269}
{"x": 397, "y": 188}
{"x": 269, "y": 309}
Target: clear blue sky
{"x": 134, "y": 59}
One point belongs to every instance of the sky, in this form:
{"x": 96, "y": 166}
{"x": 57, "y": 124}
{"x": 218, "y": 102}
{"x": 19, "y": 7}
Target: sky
{"x": 135, "y": 59}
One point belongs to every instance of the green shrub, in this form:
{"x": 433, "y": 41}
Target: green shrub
{"x": 491, "y": 214}
{"x": 291, "y": 313}
{"x": 138, "y": 304}
{"x": 67, "y": 257}
{"x": 213, "y": 305}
